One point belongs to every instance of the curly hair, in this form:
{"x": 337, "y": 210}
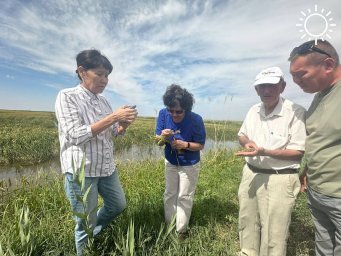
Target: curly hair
{"x": 175, "y": 94}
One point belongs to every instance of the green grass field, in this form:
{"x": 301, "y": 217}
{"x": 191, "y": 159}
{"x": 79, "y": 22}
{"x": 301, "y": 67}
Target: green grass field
{"x": 31, "y": 137}
{"x": 27, "y": 137}
{"x": 36, "y": 218}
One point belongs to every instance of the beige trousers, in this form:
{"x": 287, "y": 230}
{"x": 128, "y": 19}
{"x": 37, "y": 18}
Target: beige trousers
{"x": 181, "y": 182}
{"x": 265, "y": 205}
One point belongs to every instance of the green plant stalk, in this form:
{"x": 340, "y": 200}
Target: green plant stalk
{"x": 161, "y": 140}
{"x": 79, "y": 179}
{"x": 213, "y": 225}
{"x": 25, "y": 229}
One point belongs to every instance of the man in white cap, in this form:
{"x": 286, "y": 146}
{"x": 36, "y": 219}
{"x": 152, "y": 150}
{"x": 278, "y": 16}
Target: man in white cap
{"x": 272, "y": 135}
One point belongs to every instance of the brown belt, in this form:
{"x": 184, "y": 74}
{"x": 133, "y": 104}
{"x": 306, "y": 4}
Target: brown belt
{"x": 272, "y": 171}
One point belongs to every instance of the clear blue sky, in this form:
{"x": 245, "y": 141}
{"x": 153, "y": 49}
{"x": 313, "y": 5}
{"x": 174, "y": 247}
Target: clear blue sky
{"x": 213, "y": 48}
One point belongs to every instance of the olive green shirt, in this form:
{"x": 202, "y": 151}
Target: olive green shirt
{"x": 323, "y": 142}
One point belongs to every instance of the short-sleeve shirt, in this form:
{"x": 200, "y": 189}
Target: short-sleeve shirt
{"x": 191, "y": 129}
{"x": 283, "y": 128}
{"x": 323, "y": 144}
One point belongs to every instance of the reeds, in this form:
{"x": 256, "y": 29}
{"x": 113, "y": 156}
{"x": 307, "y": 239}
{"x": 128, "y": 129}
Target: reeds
{"x": 28, "y": 137}
{"x": 140, "y": 230}
{"x": 36, "y": 218}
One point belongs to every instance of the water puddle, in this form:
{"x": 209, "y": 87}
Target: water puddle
{"x": 10, "y": 175}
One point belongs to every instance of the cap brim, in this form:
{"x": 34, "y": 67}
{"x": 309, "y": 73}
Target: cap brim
{"x": 267, "y": 80}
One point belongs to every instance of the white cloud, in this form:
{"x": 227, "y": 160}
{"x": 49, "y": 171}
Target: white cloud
{"x": 213, "y": 48}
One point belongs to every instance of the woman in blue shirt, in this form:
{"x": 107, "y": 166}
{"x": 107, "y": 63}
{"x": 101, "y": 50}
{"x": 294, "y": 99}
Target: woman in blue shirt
{"x": 185, "y": 132}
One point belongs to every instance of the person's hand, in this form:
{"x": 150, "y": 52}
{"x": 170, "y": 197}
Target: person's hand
{"x": 251, "y": 149}
{"x": 179, "y": 144}
{"x": 125, "y": 115}
{"x": 167, "y": 133}
{"x": 122, "y": 127}
{"x": 303, "y": 181}
{"x": 163, "y": 137}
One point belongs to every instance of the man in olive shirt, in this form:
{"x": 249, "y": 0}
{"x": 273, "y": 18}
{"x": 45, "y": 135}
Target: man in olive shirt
{"x": 316, "y": 69}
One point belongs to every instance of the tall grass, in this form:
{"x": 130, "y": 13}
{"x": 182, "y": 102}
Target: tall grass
{"x": 27, "y": 137}
{"x": 222, "y": 130}
{"x": 31, "y": 137}
{"x": 27, "y": 145}
{"x": 141, "y": 230}
{"x": 36, "y": 218}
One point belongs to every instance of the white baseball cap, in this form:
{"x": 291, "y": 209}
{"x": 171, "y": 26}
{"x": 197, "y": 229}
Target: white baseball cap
{"x": 269, "y": 76}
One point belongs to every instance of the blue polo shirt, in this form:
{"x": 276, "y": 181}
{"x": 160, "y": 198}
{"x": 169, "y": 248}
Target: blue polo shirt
{"x": 192, "y": 129}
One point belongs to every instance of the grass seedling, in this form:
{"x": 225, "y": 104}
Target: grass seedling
{"x": 85, "y": 214}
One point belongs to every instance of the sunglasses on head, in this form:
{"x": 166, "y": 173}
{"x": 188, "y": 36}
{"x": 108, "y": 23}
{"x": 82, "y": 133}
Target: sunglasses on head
{"x": 178, "y": 112}
{"x": 307, "y": 48}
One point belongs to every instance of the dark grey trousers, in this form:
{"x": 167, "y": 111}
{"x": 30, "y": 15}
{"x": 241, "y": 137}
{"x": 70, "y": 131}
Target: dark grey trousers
{"x": 326, "y": 214}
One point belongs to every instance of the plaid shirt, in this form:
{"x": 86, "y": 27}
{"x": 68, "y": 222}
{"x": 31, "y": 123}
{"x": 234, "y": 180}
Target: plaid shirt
{"x": 76, "y": 109}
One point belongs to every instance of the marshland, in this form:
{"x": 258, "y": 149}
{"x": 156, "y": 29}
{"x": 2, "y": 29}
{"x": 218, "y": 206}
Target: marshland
{"x": 36, "y": 218}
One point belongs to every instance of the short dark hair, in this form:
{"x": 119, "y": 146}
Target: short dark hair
{"x": 175, "y": 94}
{"x": 90, "y": 59}
{"x": 317, "y": 48}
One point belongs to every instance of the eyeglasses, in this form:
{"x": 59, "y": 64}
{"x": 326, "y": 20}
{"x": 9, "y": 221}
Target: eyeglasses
{"x": 178, "y": 112}
{"x": 306, "y": 48}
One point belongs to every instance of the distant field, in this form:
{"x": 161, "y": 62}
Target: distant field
{"x": 30, "y": 137}
{"x": 27, "y": 137}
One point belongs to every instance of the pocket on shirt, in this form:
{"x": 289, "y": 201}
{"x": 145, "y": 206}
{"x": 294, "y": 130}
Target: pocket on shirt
{"x": 278, "y": 141}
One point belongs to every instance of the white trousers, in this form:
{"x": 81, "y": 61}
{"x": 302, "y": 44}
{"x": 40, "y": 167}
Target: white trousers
{"x": 181, "y": 182}
{"x": 265, "y": 205}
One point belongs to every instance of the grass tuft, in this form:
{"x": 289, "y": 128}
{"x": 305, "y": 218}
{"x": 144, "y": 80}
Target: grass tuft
{"x": 140, "y": 230}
